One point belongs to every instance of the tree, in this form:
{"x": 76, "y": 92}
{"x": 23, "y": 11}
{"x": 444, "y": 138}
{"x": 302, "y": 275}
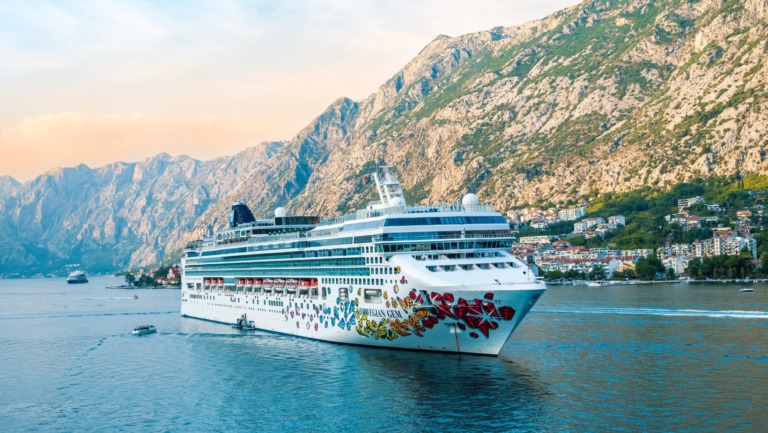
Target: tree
{"x": 627, "y": 274}
{"x": 694, "y": 269}
{"x": 554, "y": 275}
{"x": 647, "y": 267}
{"x": 717, "y": 267}
{"x": 670, "y": 274}
{"x": 146, "y": 280}
{"x": 129, "y": 279}
{"x": 161, "y": 272}
{"x": 597, "y": 273}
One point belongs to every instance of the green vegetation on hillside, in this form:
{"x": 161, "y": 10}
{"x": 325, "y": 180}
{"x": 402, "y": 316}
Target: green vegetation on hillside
{"x": 645, "y": 209}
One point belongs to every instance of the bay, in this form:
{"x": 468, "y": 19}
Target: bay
{"x": 619, "y": 358}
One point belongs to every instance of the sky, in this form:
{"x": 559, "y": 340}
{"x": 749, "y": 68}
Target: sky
{"x": 99, "y": 81}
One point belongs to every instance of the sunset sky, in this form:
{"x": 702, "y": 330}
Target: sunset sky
{"x": 101, "y": 81}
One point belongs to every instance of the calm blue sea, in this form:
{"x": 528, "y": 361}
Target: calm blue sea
{"x": 671, "y": 358}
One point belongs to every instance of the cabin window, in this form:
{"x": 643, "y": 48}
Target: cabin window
{"x": 343, "y": 294}
{"x": 313, "y": 292}
{"x": 373, "y": 296}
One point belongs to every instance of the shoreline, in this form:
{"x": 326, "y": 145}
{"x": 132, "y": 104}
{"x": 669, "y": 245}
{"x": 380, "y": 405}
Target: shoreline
{"x": 650, "y": 282}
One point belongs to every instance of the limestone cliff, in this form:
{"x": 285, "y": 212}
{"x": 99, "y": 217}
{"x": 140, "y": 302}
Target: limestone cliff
{"x": 606, "y": 96}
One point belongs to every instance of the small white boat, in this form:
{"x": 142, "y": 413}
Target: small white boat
{"x": 77, "y": 277}
{"x": 746, "y": 289}
{"x": 594, "y": 284}
{"x": 243, "y": 323}
{"x": 144, "y": 330}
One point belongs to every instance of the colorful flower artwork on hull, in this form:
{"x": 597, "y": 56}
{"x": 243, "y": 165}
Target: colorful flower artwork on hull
{"x": 479, "y": 316}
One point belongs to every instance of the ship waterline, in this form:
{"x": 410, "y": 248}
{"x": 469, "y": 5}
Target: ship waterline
{"x": 434, "y": 278}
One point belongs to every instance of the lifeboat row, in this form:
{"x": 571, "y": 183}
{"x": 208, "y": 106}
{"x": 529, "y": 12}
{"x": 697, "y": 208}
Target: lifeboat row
{"x": 255, "y": 283}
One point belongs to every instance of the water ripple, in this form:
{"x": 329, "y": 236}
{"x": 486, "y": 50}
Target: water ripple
{"x": 730, "y": 314}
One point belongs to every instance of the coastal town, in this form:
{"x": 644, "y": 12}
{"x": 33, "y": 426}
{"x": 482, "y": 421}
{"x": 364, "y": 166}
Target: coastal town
{"x": 563, "y": 256}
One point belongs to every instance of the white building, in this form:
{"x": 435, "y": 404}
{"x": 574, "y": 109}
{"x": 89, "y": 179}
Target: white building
{"x": 534, "y": 240}
{"x": 677, "y": 263}
{"x": 586, "y": 224}
{"x": 688, "y": 202}
{"x": 572, "y": 213}
{"x": 616, "y": 220}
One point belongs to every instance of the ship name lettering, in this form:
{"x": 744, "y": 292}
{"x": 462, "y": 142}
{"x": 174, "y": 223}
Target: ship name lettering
{"x": 371, "y": 312}
{"x": 394, "y": 314}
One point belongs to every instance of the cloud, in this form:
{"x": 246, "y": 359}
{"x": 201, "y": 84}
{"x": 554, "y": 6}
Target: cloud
{"x": 210, "y": 77}
{"x": 40, "y": 143}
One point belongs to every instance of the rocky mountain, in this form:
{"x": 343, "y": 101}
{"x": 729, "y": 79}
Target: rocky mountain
{"x": 7, "y": 186}
{"x": 604, "y": 96}
{"x": 106, "y": 218}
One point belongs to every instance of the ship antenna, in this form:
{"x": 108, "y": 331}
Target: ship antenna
{"x": 389, "y": 188}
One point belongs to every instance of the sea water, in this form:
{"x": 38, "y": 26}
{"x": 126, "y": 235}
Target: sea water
{"x": 628, "y": 358}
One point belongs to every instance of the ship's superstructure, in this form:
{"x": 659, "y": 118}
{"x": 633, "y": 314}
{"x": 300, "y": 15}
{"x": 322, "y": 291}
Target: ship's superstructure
{"x": 77, "y": 277}
{"x": 392, "y": 275}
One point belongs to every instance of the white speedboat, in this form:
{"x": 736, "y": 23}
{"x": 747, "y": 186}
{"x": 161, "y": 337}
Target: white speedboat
{"x": 746, "y": 289}
{"x": 144, "y": 330}
{"x": 77, "y": 277}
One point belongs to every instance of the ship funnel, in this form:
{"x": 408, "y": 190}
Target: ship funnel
{"x": 240, "y": 214}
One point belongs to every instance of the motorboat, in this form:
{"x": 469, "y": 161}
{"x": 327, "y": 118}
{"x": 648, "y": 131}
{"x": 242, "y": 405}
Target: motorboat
{"x": 77, "y": 277}
{"x": 144, "y": 330}
{"x": 243, "y": 323}
{"x": 746, "y": 289}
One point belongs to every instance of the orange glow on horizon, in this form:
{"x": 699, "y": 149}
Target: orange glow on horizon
{"x": 39, "y": 144}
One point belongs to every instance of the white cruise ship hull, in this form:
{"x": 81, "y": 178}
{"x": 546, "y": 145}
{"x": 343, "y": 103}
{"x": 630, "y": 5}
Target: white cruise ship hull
{"x": 469, "y": 319}
{"x": 432, "y": 277}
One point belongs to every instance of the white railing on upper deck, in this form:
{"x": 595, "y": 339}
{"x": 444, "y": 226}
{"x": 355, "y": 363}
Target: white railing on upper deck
{"x": 325, "y": 229}
{"x": 364, "y": 214}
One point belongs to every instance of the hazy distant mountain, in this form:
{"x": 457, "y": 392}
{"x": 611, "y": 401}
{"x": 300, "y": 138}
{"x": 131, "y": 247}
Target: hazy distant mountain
{"x": 606, "y": 96}
{"x": 7, "y": 186}
{"x": 108, "y": 217}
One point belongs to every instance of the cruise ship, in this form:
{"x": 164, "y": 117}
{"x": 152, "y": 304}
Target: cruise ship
{"x": 435, "y": 278}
